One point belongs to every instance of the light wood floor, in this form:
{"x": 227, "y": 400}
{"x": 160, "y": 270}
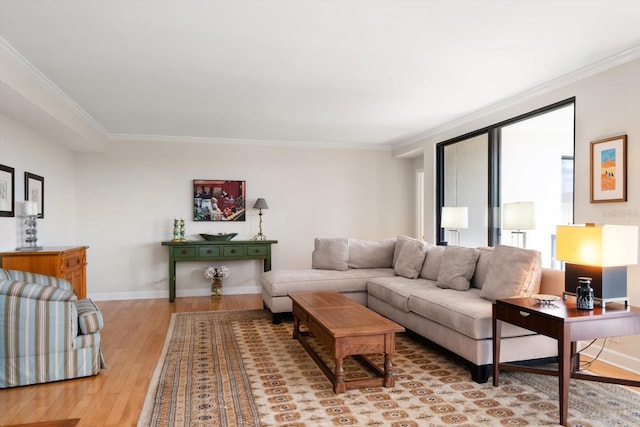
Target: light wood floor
{"x": 131, "y": 342}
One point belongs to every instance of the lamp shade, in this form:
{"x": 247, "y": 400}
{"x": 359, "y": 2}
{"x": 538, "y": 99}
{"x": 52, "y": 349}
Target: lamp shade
{"x": 455, "y": 218}
{"x": 261, "y": 204}
{"x": 519, "y": 216}
{"x": 597, "y": 245}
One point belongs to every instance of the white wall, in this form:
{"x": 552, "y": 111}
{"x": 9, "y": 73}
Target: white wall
{"x": 129, "y": 195}
{"x": 607, "y": 104}
{"x": 27, "y": 151}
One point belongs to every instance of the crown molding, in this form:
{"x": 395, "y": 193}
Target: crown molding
{"x": 612, "y": 61}
{"x": 36, "y": 75}
{"x": 238, "y": 141}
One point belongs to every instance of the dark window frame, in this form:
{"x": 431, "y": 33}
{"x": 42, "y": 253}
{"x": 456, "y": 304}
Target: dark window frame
{"x": 493, "y": 133}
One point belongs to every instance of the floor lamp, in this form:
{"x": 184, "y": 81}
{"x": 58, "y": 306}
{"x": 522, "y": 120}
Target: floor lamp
{"x": 454, "y": 218}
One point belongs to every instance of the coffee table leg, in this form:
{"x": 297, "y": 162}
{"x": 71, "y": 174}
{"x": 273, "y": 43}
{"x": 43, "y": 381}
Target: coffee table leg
{"x": 296, "y": 327}
{"x": 339, "y": 386}
{"x": 388, "y": 371}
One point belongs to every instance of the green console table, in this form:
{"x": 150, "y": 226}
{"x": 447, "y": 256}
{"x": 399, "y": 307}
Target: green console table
{"x": 202, "y": 250}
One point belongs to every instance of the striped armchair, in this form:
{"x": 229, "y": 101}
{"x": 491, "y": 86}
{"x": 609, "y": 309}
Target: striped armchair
{"x": 46, "y": 334}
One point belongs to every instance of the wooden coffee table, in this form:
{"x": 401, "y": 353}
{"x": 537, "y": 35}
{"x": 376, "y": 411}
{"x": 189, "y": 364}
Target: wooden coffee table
{"x": 565, "y": 323}
{"x": 345, "y": 328}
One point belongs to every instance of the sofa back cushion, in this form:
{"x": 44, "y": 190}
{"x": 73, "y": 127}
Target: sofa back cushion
{"x": 431, "y": 266}
{"x": 400, "y": 241}
{"x": 513, "y": 272}
{"x": 482, "y": 267}
{"x": 410, "y": 259}
{"x": 330, "y": 253}
{"x": 371, "y": 253}
{"x": 458, "y": 265}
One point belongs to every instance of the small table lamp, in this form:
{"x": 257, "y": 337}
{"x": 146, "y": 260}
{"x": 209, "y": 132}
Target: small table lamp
{"x": 599, "y": 252}
{"x": 518, "y": 217}
{"x": 260, "y": 204}
{"x": 455, "y": 218}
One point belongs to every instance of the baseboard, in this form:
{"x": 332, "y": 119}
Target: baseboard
{"x": 202, "y": 292}
{"x": 614, "y": 358}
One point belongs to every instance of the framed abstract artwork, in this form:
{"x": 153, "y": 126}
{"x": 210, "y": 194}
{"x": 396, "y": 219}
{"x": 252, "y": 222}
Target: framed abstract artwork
{"x": 34, "y": 191}
{"x": 609, "y": 170}
{"x": 218, "y": 200}
{"x": 7, "y": 189}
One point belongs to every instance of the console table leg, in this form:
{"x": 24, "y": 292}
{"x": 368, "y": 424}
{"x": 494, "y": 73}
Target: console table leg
{"x": 172, "y": 280}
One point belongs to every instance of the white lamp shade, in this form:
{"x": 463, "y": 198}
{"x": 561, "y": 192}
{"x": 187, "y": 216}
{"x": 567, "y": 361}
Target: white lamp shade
{"x": 519, "y": 216}
{"x": 597, "y": 245}
{"x": 455, "y": 218}
{"x": 30, "y": 208}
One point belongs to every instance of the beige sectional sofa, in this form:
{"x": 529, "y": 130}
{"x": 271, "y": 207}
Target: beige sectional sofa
{"x": 444, "y": 294}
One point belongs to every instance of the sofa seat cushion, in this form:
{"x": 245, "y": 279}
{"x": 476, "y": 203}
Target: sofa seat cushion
{"x": 396, "y": 290}
{"x": 463, "y": 311}
{"x": 282, "y": 282}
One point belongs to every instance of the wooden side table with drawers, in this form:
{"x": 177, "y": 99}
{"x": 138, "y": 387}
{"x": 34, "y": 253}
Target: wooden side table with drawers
{"x": 64, "y": 262}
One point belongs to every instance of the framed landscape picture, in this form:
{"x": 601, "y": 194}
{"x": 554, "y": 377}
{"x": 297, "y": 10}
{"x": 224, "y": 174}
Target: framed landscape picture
{"x": 609, "y": 170}
{"x": 34, "y": 191}
{"x": 7, "y": 188}
{"x": 218, "y": 200}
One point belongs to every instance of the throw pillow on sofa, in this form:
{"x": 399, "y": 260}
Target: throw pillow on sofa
{"x": 410, "y": 259}
{"x": 482, "y": 266}
{"x": 513, "y": 272}
{"x": 330, "y": 254}
{"x": 458, "y": 265}
{"x": 400, "y": 241}
{"x": 371, "y": 253}
{"x": 431, "y": 266}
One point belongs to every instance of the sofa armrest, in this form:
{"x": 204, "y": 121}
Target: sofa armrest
{"x": 552, "y": 282}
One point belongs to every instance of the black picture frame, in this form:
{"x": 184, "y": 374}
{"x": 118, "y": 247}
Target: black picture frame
{"x": 219, "y": 200}
{"x": 34, "y": 191}
{"x": 7, "y": 191}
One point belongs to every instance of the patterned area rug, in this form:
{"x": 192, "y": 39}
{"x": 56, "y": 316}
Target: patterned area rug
{"x": 237, "y": 369}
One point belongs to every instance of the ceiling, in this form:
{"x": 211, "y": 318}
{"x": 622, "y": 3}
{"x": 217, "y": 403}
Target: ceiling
{"x": 356, "y": 73}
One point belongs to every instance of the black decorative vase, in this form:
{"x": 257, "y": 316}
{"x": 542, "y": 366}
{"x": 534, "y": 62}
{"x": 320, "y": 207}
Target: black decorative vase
{"x": 584, "y": 293}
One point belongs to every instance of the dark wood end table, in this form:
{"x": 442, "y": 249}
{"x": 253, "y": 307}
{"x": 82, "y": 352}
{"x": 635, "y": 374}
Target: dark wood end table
{"x": 562, "y": 321}
{"x": 346, "y": 328}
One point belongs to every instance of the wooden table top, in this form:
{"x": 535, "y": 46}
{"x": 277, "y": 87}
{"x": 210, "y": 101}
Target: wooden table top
{"x": 567, "y": 310}
{"x": 342, "y": 316}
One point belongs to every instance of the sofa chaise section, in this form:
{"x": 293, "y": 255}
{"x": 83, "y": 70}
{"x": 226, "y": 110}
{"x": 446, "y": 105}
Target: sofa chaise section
{"x": 444, "y": 294}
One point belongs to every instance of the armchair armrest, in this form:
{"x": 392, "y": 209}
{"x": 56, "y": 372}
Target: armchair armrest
{"x": 40, "y": 279}
{"x": 20, "y": 289}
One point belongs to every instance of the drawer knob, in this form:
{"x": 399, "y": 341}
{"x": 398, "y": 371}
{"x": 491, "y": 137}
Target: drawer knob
{"x": 78, "y": 261}
{"x": 524, "y": 314}
{"x": 209, "y": 251}
{"x": 68, "y": 263}
{"x": 184, "y": 252}
{"x": 233, "y": 251}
